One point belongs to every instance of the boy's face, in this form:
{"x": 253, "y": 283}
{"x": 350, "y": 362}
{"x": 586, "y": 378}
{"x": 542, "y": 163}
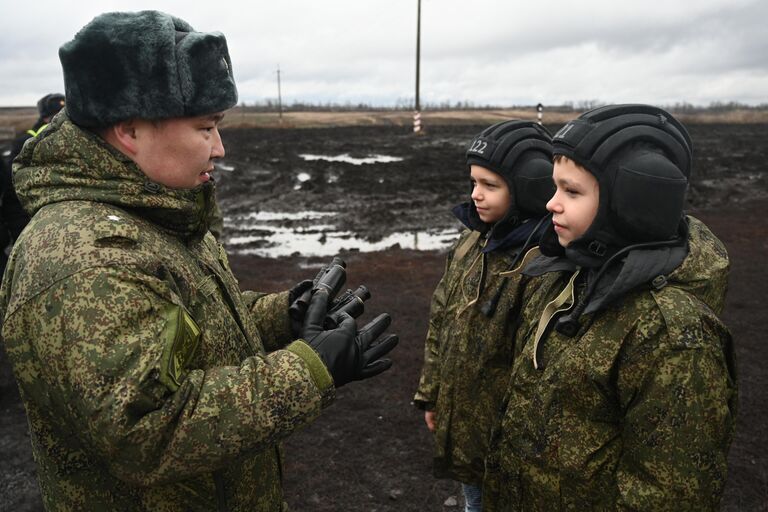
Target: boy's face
{"x": 574, "y": 205}
{"x": 490, "y": 194}
{"x": 178, "y": 152}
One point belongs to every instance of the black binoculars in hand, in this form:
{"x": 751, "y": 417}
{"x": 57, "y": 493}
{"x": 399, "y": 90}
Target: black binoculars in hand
{"x": 332, "y": 278}
{"x": 351, "y": 303}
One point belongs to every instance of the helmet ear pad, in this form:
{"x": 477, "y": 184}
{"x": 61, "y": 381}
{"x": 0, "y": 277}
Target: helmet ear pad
{"x": 642, "y": 197}
{"x": 647, "y": 197}
{"x": 532, "y": 184}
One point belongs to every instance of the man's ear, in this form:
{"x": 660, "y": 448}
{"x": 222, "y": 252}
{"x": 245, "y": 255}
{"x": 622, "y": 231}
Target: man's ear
{"x": 124, "y": 136}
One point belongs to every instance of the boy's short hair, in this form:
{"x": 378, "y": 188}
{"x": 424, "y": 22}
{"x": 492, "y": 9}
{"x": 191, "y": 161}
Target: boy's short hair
{"x": 148, "y": 65}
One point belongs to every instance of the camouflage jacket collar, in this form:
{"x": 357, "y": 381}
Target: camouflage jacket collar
{"x": 67, "y": 163}
{"x": 698, "y": 264}
{"x": 619, "y": 274}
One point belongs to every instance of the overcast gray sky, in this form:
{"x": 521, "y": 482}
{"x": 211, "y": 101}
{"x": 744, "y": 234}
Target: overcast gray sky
{"x": 484, "y": 51}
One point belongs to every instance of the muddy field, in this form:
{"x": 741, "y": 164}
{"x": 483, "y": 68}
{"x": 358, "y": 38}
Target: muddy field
{"x": 380, "y": 197}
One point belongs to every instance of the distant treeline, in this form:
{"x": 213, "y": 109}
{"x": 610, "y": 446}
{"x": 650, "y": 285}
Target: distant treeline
{"x": 405, "y": 105}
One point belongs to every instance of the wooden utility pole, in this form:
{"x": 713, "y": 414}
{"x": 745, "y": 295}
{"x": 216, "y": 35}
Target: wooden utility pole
{"x": 279, "y": 96}
{"x": 417, "y": 106}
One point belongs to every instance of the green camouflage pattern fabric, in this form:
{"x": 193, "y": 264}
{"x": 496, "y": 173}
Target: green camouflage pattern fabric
{"x": 149, "y": 380}
{"x": 216, "y": 221}
{"x": 636, "y": 412}
{"x": 467, "y": 355}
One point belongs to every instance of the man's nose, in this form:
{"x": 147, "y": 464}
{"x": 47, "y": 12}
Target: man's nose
{"x": 217, "y": 151}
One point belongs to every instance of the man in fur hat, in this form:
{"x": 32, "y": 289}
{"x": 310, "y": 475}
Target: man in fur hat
{"x": 151, "y": 382}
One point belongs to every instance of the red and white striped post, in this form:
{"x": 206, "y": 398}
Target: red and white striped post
{"x": 417, "y": 105}
{"x": 417, "y": 122}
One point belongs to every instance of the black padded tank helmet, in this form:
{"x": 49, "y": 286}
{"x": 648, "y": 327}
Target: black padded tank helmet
{"x": 521, "y": 153}
{"x": 641, "y": 157}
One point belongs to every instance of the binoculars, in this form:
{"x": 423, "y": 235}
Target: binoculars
{"x": 332, "y": 278}
{"x": 351, "y": 303}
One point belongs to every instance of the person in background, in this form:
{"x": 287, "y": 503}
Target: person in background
{"x": 150, "y": 380}
{"x": 469, "y": 350}
{"x": 47, "y": 107}
{"x": 13, "y": 218}
{"x": 623, "y": 392}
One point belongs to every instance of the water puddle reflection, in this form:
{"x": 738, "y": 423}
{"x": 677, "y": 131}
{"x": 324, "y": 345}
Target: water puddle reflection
{"x": 347, "y": 158}
{"x": 312, "y": 233}
{"x": 224, "y": 167}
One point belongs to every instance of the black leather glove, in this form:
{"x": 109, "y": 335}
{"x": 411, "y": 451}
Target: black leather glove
{"x": 331, "y": 278}
{"x": 348, "y": 354}
{"x": 298, "y": 302}
{"x": 298, "y": 290}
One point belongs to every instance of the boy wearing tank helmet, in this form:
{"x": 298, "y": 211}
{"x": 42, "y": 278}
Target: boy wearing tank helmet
{"x": 469, "y": 348}
{"x": 623, "y": 395}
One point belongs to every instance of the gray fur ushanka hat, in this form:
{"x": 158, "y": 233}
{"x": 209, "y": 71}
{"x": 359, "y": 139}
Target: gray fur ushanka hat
{"x": 147, "y": 65}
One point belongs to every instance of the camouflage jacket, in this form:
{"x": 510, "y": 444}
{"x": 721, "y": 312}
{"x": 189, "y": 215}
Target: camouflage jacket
{"x": 468, "y": 355}
{"x": 635, "y": 412}
{"x": 149, "y": 380}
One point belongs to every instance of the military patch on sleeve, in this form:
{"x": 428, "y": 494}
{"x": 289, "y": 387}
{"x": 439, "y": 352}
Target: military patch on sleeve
{"x": 181, "y": 338}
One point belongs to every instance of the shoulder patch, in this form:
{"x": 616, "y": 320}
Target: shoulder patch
{"x": 181, "y": 338}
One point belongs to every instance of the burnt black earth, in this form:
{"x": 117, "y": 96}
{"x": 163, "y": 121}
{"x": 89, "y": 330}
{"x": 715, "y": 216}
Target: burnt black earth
{"x": 381, "y": 198}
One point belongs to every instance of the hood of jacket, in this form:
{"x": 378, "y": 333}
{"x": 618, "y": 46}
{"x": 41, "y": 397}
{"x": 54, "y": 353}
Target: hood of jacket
{"x": 67, "y": 163}
{"x": 704, "y": 272}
